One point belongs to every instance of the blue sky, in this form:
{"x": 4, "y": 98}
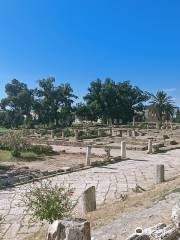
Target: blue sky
{"x": 79, "y": 41}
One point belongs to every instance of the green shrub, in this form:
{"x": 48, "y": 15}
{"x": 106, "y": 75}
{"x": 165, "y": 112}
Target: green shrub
{"x": 41, "y": 149}
{"x": 14, "y": 141}
{"x": 48, "y": 202}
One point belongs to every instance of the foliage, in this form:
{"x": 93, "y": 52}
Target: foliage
{"x": 112, "y": 102}
{"x": 41, "y": 149}
{"x": 162, "y": 106}
{"x": 14, "y": 141}
{"x": 17, "y": 104}
{"x": 177, "y": 119}
{"x": 48, "y": 202}
{"x": 6, "y": 156}
{"x": 54, "y": 103}
{"x": 52, "y": 106}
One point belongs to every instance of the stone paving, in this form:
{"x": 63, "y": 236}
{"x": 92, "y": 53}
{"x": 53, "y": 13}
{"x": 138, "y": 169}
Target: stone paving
{"x": 110, "y": 181}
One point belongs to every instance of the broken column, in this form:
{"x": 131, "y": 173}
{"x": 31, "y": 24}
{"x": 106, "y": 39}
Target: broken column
{"x": 120, "y": 133}
{"x": 110, "y": 132}
{"x": 52, "y": 134}
{"x": 76, "y": 132}
{"x": 129, "y": 133}
{"x": 89, "y": 200}
{"x": 134, "y": 119}
{"x": 159, "y": 173}
{"x": 63, "y": 134}
{"x": 99, "y": 132}
{"x": 69, "y": 229}
{"x": 133, "y": 133}
{"x": 88, "y": 155}
{"x": 123, "y": 149}
{"x": 150, "y": 146}
{"x": 108, "y": 152}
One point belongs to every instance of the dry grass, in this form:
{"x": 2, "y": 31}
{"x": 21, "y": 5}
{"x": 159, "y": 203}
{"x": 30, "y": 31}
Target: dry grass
{"x": 109, "y": 212}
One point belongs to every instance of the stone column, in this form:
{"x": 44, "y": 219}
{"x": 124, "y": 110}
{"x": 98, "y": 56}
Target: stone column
{"x": 150, "y": 147}
{"x": 63, "y": 134}
{"x": 129, "y": 133}
{"x": 108, "y": 152}
{"x": 159, "y": 173}
{"x": 69, "y": 229}
{"x": 99, "y": 132}
{"x": 133, "y": 133}
{"x": 52, "y": 135}
{"x": 134, "y": 119}
{"x": 89, "y": 200}
{"x": 110, "y": 132}
{"x": 123, "y": 150}
{"x": 120, "y": 133}
{"x": 88, "y": 155}
{"x": 76, "y": 134}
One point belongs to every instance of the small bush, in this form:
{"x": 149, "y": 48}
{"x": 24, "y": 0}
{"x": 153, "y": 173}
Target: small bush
{"x": 48, "y": 202}
{"x": 41, "y": 149}
{"x": 173, "y": 142}
{"x": 14, "y": 141}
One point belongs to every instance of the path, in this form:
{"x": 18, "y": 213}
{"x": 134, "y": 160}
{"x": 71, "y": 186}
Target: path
{"x": 110, "y": 182}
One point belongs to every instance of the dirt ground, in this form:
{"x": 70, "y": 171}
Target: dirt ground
{"x": 52, "y": 163}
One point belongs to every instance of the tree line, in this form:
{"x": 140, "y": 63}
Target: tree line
{"x": 54, "y": 105}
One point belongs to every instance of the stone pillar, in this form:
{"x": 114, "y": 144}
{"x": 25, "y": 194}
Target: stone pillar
{"x": 134, "y": 119}
{"x": 89, "y": 200}
{"x": 123, "y": 150}
{"x": 159, "y": 173}
{"x": 99, "y": 132}
{"x": 62, "y": 133}
{"x": 133, "y": 133}
{"x": 129, "y": 133}
{"x": 110, "y": 132}
{"x": 120, "y": 133}
{"x": 69, "y": 229}
{"x": 52, "y": 135}
{"x": 108, "y": 152}
{"x": 150, "y": 147}
{"x": 88, "y": 155}
{"x": 76, "y": 134}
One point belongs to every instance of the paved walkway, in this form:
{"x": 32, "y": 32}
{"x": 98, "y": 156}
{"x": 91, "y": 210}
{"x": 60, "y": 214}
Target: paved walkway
{"x": 110, "y": 182}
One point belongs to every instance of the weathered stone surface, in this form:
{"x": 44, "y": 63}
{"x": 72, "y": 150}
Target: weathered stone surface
{"x": 159, "y": 173}
{"x": 123, "y": 149}
{"x": 76, "y": 229}
{"x": 111, "y": 182}
{"x": 88, "y": 155}
{"x": 175, "y": 217}
{"x": 89, "y": 200}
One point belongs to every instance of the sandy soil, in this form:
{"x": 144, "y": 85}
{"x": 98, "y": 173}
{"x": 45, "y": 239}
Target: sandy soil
{"x": 52, "y": 163}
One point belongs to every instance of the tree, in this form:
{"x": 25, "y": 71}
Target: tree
{"x": 18, "y": 103}
{"x": 114, "y": 102}
{"x": 177, "y": 119}
{"x": 94, "y": 100}
{"x": 162, "y": 106}
{"x": 54, "y": 103}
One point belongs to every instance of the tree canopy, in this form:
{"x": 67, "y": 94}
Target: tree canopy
{"x": 113, "y": 102}
{"x": 162, "y": 106}
{"x": 54, "y": 105}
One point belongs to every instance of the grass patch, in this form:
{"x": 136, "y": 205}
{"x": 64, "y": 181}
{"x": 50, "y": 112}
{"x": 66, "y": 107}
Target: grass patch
{"x": 6, "y": 156}
{"x": 3, "y": 130}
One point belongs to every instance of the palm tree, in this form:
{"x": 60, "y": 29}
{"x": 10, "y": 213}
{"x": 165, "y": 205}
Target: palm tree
{"x": 162, "y": 106}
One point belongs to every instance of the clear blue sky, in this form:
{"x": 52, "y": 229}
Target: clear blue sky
{"x": 80, "y": 40}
